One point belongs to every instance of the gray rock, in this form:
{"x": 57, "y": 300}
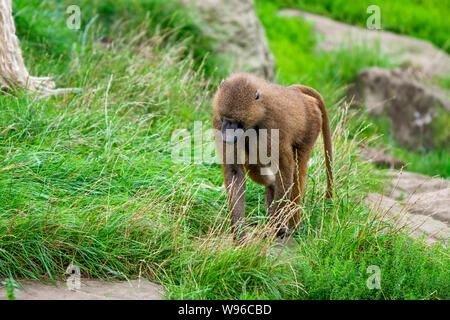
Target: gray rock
{"x": 380, "y": 158}
{"x": 404, "y": 182}
{"x": 89, "y": 290}
{"x": 415, "y": 203}
{"x": 411, "y": 106}
{"x": 239, "y": 33}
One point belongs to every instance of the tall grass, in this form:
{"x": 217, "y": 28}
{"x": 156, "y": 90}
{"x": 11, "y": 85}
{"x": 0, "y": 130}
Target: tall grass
{"x": 41, "y": 25}
{"x": 293, "y": 44}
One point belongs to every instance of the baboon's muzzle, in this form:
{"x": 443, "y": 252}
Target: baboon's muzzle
{"x": 231, "y": 131}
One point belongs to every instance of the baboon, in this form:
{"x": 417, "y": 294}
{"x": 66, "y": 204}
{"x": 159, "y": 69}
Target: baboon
{"x": 243, "y": 102}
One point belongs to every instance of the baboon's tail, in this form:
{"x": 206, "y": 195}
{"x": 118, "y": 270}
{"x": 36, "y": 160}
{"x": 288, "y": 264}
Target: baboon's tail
{"x": 326, "y": 132}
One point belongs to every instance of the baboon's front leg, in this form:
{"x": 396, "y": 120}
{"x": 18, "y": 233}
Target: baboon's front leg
{"x": 234, "y": 177}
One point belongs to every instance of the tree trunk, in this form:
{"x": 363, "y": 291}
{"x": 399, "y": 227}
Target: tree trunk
{"x": 13, "y": 73}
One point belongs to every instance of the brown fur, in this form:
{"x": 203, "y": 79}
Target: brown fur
{"x": 299, "y": 113}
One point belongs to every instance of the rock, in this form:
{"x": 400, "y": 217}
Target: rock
{"x": 413, "y": 183}
{"x": 239, "y": 33}
{"x": 381, "y": 159}
{"x": 408, "y": 50}
{"x": 89, "y": 290}
{"x": 411, "y": 106}
{"x": 416, "y": 203}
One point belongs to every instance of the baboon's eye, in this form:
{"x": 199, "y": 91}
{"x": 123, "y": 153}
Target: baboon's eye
{"x": 258, "y": 94}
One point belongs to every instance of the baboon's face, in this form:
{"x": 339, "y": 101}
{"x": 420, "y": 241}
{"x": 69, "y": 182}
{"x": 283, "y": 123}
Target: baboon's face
{"x": 239, "y": 108}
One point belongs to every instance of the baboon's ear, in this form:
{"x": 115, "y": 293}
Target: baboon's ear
{"x": 258, "y": 94}
{"x": 221, "y": 83}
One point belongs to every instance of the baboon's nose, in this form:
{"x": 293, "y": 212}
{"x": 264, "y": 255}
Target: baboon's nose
{"x": 229, "y": 134}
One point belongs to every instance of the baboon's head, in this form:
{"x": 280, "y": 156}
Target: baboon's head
{"x": 238, "y": 103}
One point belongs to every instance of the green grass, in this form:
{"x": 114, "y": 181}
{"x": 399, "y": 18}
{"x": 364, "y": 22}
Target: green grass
{"x": 293, "y": 44}
{"x": 42, "y": 25}
{"x": 88, "y": 178}
{"x": 443, "y": 82}
{"x": 435, "y": 163}
{"x": 421, "y": 19}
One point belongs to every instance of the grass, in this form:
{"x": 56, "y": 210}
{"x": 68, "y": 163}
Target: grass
{"x": 293, "y": 44}
{"x": 429, "y": 162}
{"x": 417, "y": 18}
{"x": 331, "y": 72}
{"x": 89, "y": 179}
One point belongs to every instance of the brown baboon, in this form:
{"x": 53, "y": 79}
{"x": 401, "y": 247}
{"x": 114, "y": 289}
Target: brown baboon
{"x": 244, "y": 102}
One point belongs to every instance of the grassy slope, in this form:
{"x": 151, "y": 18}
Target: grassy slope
{"x": 89, "y": 178}
{"x": 418, "y": 18}
{"x": 330, "y": 72}
{"x": 121, "y": 16}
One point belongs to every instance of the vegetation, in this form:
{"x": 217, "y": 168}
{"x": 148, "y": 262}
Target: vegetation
{"x": 299, "y": 61}
{"x": 421, "y": 19}
{"x": 45, "y": 30}
{"x": 89, "y": 178}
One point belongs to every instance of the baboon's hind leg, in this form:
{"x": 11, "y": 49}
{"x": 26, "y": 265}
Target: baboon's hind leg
{"x": 269, "y": 196}
{"x": 302, "y": 157}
